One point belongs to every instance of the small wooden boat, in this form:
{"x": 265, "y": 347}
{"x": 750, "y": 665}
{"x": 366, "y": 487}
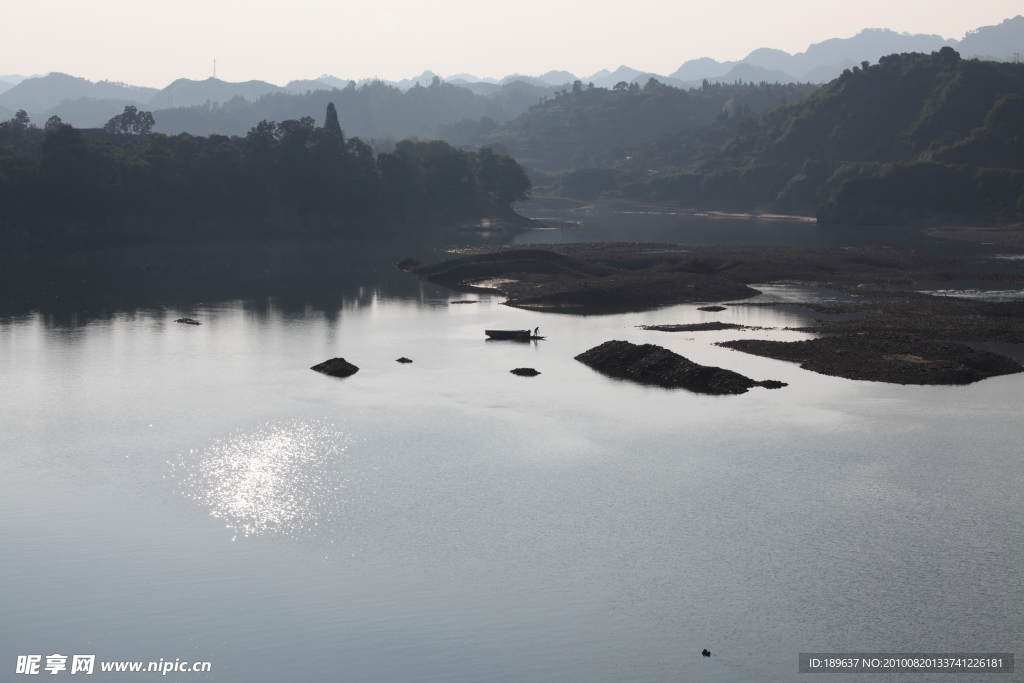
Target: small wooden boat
{"x": 513, "y": 335}
{"x": 508, "y": 334}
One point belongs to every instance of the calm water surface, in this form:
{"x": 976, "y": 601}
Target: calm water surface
{"x": 186, "y": 492}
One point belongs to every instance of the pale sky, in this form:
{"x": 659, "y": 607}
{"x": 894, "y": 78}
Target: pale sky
{"x": 275, "y": 41}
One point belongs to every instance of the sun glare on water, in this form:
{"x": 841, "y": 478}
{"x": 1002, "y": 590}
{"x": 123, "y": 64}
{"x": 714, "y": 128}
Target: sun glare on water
{"x": 281, "y": 478}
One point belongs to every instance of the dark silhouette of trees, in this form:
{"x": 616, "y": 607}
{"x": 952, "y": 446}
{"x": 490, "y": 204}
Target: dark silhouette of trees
{"x": 291, "y": 169}
{"x": 331, "y": 122}
{"x": 131, "y": 122}
{"x": 502, "y": 181}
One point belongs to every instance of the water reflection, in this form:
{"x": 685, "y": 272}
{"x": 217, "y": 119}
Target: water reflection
{"x": 281, "y": 478}
{"x": 329, "y": 277}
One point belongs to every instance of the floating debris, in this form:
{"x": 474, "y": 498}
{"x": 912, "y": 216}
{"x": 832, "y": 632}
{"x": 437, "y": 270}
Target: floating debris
{"x": 187, "y": 321}
{"x": 525, "y": 372}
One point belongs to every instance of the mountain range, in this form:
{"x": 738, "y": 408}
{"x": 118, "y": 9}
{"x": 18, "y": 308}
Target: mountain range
{"x": 89, "y": 104}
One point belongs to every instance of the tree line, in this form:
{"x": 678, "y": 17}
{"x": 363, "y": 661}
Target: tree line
{"x": 62, "y": 175}
{"x": 914, "y": 137}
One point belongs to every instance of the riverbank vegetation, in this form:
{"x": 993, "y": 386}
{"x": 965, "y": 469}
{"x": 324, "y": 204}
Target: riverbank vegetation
{"x": 61, "y": 185}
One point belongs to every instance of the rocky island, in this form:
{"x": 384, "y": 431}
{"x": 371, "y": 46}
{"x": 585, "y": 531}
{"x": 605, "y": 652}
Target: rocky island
{"x": 656, "y": 365}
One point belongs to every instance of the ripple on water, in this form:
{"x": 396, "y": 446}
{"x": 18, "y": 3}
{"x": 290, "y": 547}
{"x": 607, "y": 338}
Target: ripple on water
{"x": 282, "y": 478}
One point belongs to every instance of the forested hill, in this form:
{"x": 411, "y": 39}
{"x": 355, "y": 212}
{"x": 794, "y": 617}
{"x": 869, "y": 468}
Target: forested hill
{"x": 59, "y": 188}
{"x": 916, "y": 136}
{"x": 373, "y": 110}
{"x": 904, "y": 107}
{"x": 600, "y": 126}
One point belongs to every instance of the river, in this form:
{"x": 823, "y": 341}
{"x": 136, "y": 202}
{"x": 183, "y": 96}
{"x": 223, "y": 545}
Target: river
{"x": 196, "y": 493}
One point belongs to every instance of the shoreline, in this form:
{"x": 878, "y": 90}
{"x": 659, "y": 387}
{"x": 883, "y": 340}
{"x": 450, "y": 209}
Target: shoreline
{"x": 902, "y": 337}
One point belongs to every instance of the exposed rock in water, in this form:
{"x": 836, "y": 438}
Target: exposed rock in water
{"x": 187, "y": 321}
{"x": 408, "y": 263}
{"x": 336, "y": 367}
{"x": 465, "y": 301}
{"x": 403, "y": 359}
{"x": 657, "y": 365}
{"x": 525, "y": 372}
{"x": 894, "y": 358}
{"x": 632, "y": 275}
{"x": 696, "y": 327}
{"x": 711, "y": 309}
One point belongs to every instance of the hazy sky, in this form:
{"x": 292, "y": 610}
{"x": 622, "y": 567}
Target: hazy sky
{"x": 153, "y": 43}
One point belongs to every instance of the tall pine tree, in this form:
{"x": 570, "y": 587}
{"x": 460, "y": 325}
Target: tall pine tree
{"x": 331, "y": 122}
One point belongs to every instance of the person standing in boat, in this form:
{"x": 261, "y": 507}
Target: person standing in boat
{"x": 536, "y": 331}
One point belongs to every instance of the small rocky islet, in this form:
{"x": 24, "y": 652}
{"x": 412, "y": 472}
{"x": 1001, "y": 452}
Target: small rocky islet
{"x": 336, "y": 367}
{"x": 653, "y": 364}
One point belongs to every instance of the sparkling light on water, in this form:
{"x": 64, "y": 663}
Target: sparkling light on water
{"x": 282, "y": 478}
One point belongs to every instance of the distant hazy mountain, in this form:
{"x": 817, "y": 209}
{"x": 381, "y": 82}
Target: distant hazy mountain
{"x": 823, "y": 61}
{"x": 869, "y": 45}
{"x": 424, "y": 79}
{"x": 748, "y": 73}
{"x": 302, "y": 86}
{"x": 185, "y": 92}
{"x": 698, "y": 69}
{"x": 477, "y": 88}
{"x": 607, "y": 79}
{"x": 824, "y": 74}
{"x": 334, "y": 81}
{"x": 532, "y": 80}
{"x": 557, "y": 77}
{"x": 43, "y": 92}
{"x": 998, "y": 42}
{"x": 84, "y": 112}
{"x": 470, "y": 78}
{"x": 820, "y": 63}
{"x": 372, "y": 110}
